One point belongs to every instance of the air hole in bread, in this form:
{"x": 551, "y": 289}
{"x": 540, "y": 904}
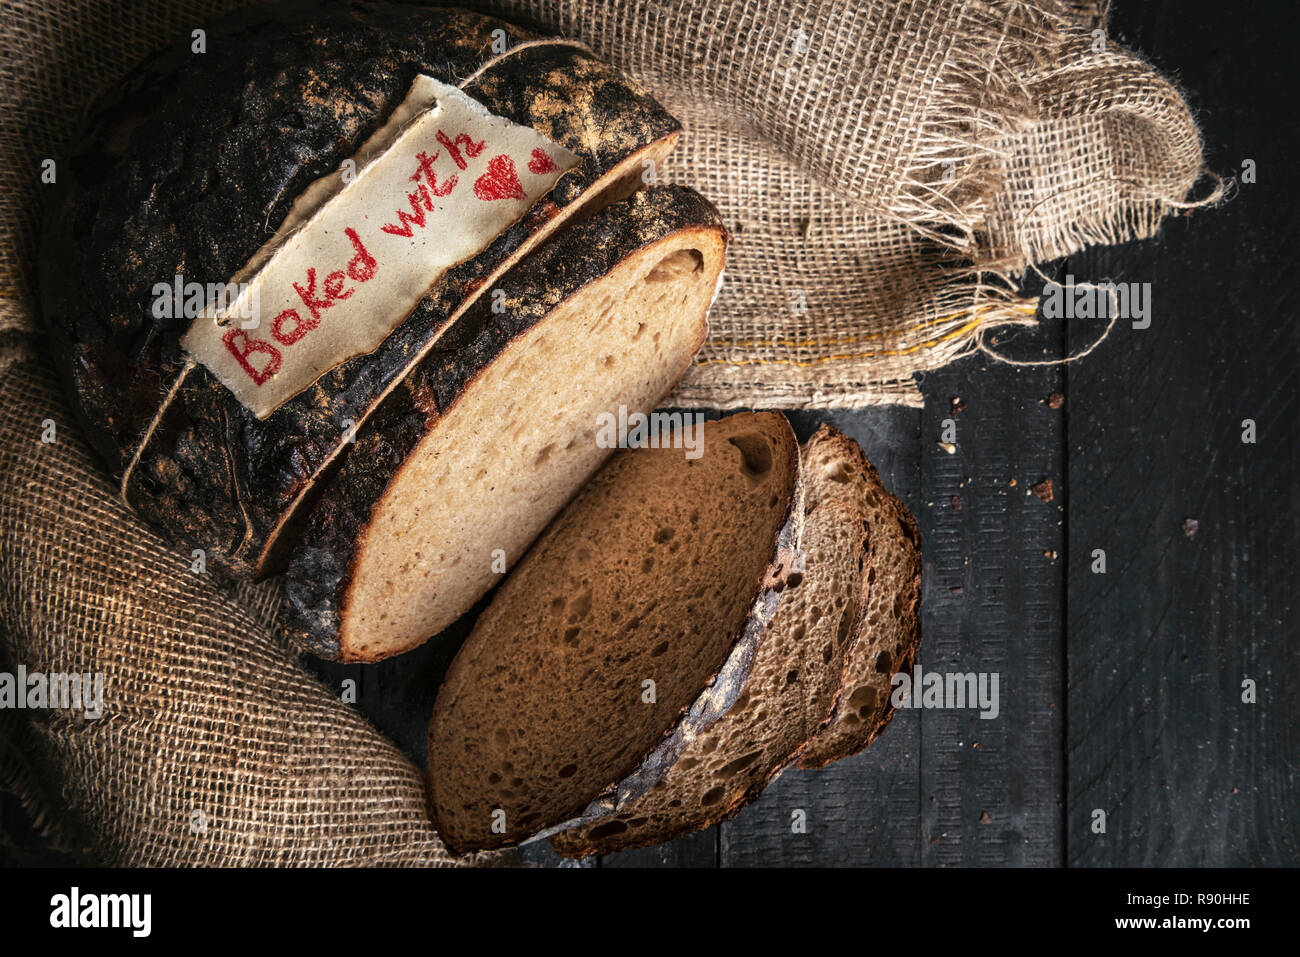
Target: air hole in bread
{"x": 580, "y": 605}
{"x": 712, "y": 796}
{"x": 610, "y": 828}
{"x": 683, "y": 262}
{"x": 755, "y": 454}
{"x": 838, "y": 472}
{"x": 846, "y": 624}
{"x": 739, "y": 764}
{"x": 884, "y": 663}
{"x": 863, "y": 696}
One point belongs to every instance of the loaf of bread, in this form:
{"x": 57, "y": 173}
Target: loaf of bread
{"x": 675, "y": 623}
{"x": 186, "y": 170}
{"x": 751, "y": 628}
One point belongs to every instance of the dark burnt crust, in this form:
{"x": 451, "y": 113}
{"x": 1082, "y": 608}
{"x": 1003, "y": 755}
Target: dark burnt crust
{"x": 174, "y": 175}
{"x": 320, "y": 569}
{"x": 142, "y": 196}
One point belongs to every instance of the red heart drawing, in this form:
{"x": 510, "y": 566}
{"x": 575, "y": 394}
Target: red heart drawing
{"x": 500, "y": 181}
{"x": 541, "y": 162}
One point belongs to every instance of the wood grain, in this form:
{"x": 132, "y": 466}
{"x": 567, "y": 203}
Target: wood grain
{"x": 1159, "y": 737}
{"x": 993, "y": 602}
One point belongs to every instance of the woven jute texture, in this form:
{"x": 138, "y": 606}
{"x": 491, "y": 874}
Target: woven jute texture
{"x": 888, "y": 169}
{"x": 215, "y": 746}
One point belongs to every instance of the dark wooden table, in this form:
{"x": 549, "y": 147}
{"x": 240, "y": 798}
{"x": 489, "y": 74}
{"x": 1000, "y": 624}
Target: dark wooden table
{"x": 1120, "y": 692}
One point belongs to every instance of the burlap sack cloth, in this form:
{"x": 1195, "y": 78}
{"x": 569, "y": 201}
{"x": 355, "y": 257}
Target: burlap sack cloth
{"x": 887, "y": 167}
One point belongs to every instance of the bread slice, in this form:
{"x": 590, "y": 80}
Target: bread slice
{"x": 492, "y": 435}
{"x": 631, "y": 624}
{"x": 787, "y": 698}
{"x": 891, "y": 628}
{"x": 188, "y": 167}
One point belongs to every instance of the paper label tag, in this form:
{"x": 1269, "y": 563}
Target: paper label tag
{"x": 437, "y": 184}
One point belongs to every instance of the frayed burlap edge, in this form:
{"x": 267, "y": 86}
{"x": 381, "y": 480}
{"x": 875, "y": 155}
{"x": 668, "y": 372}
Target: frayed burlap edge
{"x": 1018, "y": 94}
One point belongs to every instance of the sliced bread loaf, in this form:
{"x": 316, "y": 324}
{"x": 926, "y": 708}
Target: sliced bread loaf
{"x": 787, "y": 697}
{"x": 891, "y": 595}
{"x": 631, "y": 624}
{"x": 499, "y": 426}
{"x": 186, "y": 170}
